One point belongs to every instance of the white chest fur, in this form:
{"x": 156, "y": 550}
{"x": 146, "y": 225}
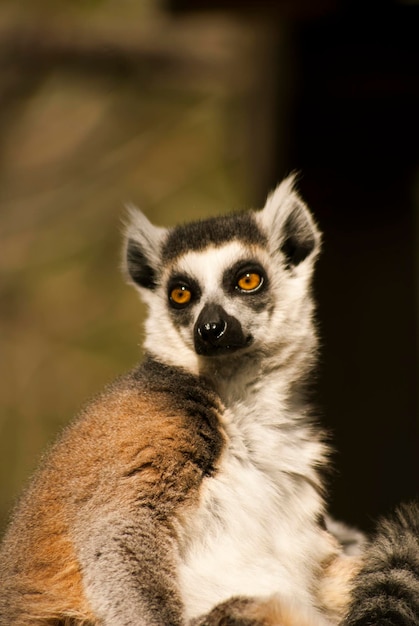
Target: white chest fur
{"x": 254, "y": 532}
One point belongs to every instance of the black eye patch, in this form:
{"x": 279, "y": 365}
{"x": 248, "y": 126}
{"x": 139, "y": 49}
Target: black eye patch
{"x": 242, "y": 272}
{"x": 180, "y": 307}
{"x": 183, "y": 281}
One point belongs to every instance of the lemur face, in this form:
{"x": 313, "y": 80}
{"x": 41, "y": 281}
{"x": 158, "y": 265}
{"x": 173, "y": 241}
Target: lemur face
{"x": 219, "y": 298}
{"x": 223, "y": 286}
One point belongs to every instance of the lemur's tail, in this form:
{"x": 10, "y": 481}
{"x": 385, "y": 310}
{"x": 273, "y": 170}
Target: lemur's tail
{"x": 387, "y": 587}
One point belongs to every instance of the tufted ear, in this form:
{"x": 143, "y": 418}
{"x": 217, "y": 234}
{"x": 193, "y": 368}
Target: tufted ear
{"x": 289, "y": 224}
{"x": 142, "y": 259}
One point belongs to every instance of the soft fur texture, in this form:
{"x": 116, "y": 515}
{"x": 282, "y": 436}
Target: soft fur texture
{"x": 189, "y": 492}
{"x": 386, "y": 589}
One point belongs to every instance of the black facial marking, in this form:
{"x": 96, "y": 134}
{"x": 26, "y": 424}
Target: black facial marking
{"x": 299, "y": 239}
{"x": 257, "y": 300}
{"x": 138, "y": 266}
{"x": 217, "y": 333}
{"x": 236, "y": 271}
{"x": 183, "y": 280}
{"x": 213, "y": 231}
{"x": 182, "y": 315}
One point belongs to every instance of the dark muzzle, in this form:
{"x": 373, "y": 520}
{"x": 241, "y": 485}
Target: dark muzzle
{"x": 217, "y": 333}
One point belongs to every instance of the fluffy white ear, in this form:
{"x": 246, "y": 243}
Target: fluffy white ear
{"x": 143, "y": 240}
{"x": 289, "y": 224}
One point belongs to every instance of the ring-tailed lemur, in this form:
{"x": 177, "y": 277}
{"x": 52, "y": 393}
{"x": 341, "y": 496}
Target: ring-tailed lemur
{"x": 189, "y": 491}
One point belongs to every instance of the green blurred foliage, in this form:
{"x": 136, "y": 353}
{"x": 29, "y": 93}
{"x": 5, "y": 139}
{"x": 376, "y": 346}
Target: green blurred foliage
{"x": 76, "y": 143}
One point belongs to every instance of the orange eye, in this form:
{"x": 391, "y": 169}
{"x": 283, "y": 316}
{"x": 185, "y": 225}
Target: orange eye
{"x": 180, "y": 295}
{"x": 249, "y": 281}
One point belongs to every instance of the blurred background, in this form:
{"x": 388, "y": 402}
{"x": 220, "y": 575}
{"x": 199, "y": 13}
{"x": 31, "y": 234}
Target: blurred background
{"x": 190, "y": 108}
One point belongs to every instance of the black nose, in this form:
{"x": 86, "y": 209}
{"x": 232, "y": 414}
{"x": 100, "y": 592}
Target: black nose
{"x": 211, "y": 332}
{"x": 216, "y": 332}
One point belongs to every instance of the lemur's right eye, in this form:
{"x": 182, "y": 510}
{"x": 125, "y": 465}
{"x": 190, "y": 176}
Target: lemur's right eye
{"x": 180, "y": 295}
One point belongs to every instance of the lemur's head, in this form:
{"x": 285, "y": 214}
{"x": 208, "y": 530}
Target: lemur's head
{"x": 226, "y": 286}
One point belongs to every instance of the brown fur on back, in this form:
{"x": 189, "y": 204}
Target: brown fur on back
{"x": 135, "y": 446}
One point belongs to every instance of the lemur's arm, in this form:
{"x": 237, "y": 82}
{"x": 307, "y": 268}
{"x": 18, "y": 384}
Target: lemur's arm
{"x": 129, "y": 572}
{"x": 151, "y": 468}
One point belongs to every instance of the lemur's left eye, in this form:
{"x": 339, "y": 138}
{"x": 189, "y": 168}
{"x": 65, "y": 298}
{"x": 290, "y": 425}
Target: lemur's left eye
{"x": 250, "y": 281}
{"x": 180, "y": 295}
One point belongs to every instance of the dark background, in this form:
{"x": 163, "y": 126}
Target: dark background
{"x": 356, "y": 140}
